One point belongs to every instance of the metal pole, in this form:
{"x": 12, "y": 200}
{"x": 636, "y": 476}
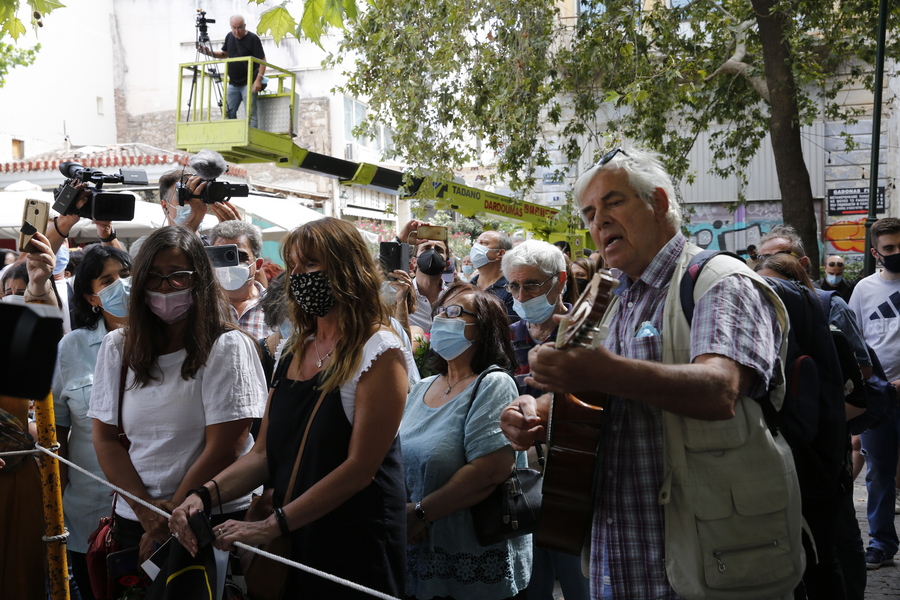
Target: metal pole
{"x": 58, "y": 568}
{"x": 876, "y": 135}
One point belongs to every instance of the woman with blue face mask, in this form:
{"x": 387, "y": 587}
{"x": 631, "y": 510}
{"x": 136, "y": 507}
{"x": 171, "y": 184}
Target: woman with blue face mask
{"x": 454, "y": 454}
{"x": 183, "y": 382}
{"x": 99, "y": 305}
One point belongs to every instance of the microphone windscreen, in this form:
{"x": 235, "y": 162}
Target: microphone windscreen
{"x": 208, "y": 165}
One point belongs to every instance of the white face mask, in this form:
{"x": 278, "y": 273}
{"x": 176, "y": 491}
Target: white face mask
{"x": 181, "y": 214}
{"x": 232, "y": 278}
{"x": 479, "y": 255}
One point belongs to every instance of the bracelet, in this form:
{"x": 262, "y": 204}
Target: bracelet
{"x": 111, "y": 237}
{"x": 60, "y": 233}
{"x": 33, "y": 295}
{"x": 203, "y": 492}
{"x": 282, "y": 521}
{"x": 420, "y": 514}
{"x": 218, "y": 496}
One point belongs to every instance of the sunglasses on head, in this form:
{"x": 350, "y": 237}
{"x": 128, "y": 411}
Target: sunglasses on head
{"x": 609, "y": 156}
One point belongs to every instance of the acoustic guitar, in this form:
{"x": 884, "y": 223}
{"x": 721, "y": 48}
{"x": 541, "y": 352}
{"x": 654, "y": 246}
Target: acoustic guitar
{"x": 573, "y": 433}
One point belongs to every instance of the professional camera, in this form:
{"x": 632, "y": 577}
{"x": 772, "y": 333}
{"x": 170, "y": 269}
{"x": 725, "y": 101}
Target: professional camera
{"x": 102, "y": 205}
{"x": 202, "y": 22}
{"x": 209, "y": 165}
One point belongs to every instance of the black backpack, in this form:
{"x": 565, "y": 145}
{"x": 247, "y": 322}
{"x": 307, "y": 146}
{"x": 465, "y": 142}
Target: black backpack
{"x": 812, "y": 417}
{"x": 880, "y": 394}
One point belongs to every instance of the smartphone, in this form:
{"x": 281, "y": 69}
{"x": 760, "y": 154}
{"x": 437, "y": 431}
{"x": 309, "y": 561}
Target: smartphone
{"x": 225, "y": 255}
{"x": 432, "y": 232}
{"x": 122, "y": 563}
{"x": 394, "y": 256}
{"x": 34, "y": 220}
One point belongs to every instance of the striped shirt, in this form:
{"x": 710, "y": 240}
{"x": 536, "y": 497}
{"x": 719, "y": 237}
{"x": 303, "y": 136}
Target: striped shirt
{"x": 733, "y": 319}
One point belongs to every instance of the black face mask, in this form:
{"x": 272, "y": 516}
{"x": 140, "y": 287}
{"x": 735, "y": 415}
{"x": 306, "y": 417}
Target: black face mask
{"x": 431, "y": 263}
{"x": 581, "y": 284}
{"x": 891, "y": 262}
{"x": 312, "y": 292}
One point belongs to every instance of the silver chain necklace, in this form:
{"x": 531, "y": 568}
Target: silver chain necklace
{"x": 322, "y": 359}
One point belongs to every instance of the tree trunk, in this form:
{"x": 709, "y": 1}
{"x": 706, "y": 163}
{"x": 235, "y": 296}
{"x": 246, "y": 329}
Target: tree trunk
{"x": 784, "y": 127}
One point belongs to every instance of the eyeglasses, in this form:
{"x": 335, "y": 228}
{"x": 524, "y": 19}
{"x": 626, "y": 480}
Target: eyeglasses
{"x": 608, "y": 157}
{"x": 532, "y": 289}
{"x": 178, "y": 280}
{"x": 835, "y": 264}
{"x": 453, "y": 311}
{"x": 764, "y": 256}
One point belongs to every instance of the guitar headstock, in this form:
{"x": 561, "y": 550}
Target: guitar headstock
{"x": 581, "y": 326}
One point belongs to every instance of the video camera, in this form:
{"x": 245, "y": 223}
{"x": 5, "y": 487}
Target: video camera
{"x": 202, "y": 22}
{"x": 209, "y": 165}
{"x": 101, "y": 206}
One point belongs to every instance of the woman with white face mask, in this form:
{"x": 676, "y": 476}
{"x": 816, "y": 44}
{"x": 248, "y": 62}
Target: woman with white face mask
{"x": 100, "y": 304}
{"x": 454, "y": 454}
{"x": 192, "y": 384}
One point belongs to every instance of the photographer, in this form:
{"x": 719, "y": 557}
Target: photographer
{"x": 240, "y": 42}
{"x": 244, "y": 293}
{"x": 190, "y": 216}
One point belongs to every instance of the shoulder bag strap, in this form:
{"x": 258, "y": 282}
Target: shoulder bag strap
{"x": 312, "y": 416}
{"x": 123, "y": 439}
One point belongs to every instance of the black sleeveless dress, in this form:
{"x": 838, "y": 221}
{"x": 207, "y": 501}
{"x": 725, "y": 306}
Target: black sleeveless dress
{"x": 363, "y": 539}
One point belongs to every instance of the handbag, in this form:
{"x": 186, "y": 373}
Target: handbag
{"x": 266, "y": 579}
{"x": 101, "y": 543}
{"x": 513, "y": 509}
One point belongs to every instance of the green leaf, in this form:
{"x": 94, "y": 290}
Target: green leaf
{"x": 45, "y": 6}
{"x": 312, "y": 24}
{"x": 14, "y": 28}
{"x": 278, "y": 21}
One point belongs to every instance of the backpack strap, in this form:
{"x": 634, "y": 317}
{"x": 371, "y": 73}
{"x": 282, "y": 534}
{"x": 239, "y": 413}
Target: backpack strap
{"x": 825, "y": 301}
{"x": 689, "y": 280}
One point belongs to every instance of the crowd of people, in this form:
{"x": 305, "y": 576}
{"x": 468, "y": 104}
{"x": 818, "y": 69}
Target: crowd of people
{"x": 198, "y": 388}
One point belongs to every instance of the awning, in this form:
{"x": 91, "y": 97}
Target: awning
{"x": 366, "y": 213}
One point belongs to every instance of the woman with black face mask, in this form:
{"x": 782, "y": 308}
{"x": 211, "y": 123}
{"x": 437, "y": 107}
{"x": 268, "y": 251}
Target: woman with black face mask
{"x": 583, "y": 271}
{"x": 338, "y": 393}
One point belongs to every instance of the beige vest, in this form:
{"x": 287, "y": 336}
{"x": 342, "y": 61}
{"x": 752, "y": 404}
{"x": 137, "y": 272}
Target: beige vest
{"x": 730, "y": 491}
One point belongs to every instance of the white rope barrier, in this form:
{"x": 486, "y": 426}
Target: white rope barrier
{"x": 333, "y": 578}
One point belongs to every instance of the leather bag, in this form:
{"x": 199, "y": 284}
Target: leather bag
{"x": 513, "y": 509}
{"x": 266, "y": 579}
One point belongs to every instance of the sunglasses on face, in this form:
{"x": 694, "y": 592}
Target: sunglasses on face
{"x": 835, "y": 264}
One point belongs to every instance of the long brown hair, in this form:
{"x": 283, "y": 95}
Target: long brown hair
{"x": 355, "y": 281}
{"x": 208, "y": 316}
{"x": 787, "y": 266}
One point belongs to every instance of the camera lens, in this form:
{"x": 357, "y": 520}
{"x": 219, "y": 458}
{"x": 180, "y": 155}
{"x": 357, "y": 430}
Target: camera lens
{"x": 231, "y": 256}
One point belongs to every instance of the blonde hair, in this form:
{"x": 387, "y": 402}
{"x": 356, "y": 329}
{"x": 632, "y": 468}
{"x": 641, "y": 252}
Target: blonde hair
{"x": 355, "y": 283}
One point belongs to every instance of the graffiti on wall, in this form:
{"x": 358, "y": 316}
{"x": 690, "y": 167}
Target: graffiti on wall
{"x": 716, "y": 227}
{"x": 846, "y": 236}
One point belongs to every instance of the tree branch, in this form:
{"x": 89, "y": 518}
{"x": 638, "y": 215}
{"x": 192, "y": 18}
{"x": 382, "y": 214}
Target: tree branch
{"x": 736, "y": 65}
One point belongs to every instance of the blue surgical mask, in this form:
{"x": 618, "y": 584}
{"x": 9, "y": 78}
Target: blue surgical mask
{"x": 448, "y": 337}
{"x": 479, "y": 257}
{"x": 62, "y": 259}
{"x": 833, "y": 279}
{"x": 537, "y": 310}
{"x": 181, "y": 214}
{"x": 286, "y": 329}
{"x": 467, "y": 269}
{"x": 116, "y": 296}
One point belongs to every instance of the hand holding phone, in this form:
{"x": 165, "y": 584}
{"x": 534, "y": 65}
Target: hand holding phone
{"x": 34, "y": 220}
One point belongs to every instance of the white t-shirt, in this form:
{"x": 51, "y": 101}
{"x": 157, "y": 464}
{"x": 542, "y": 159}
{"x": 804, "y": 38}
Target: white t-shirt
{"x": 876, "y": 303}
{"x": 166, "y": 420}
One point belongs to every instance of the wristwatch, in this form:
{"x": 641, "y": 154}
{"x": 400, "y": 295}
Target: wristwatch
{"x": 420, "y": 514}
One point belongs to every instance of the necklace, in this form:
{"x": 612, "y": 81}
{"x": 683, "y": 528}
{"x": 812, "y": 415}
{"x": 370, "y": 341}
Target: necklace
{"x": 321, "y": 359}
{"x": 450, "y": 387}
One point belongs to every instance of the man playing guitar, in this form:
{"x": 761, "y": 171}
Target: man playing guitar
{"x": 675, "y": 394}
